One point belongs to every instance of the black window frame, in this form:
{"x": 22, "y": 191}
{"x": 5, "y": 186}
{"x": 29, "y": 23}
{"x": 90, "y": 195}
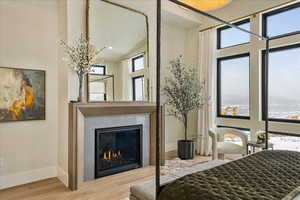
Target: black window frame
{"x": 219, "y": 95}
{"x": 133, "y": 62}
{"x": 275, "y": 12}
{"x": 264, "y": 113}
{"x": 219, "y": 30}
{"x": 99, "y": 66}
{"x": 284, "y": 133}
{"x": 133, "y": 86}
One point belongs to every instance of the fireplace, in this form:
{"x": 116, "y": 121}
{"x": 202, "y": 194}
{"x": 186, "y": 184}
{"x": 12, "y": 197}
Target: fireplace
{"x": 117, "y": 149}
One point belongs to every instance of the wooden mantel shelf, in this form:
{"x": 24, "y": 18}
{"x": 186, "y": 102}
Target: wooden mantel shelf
{"x": 78, "y": 111}
{"x": 96, "y": 109}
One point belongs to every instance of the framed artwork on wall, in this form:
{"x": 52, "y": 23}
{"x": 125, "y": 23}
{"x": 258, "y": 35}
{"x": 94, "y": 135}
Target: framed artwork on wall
{"x": 22, "y": 94}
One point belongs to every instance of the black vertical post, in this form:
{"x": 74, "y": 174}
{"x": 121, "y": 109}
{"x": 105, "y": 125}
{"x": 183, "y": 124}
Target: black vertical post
{"x": 266, "y": 97}
{"x": 158, "y": 34}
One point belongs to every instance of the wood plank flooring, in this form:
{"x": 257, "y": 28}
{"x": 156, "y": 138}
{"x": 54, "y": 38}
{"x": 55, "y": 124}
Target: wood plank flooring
{"x": 114, "y": 187}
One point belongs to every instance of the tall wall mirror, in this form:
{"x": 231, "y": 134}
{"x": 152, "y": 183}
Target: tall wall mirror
{"x": 121, "y": 71}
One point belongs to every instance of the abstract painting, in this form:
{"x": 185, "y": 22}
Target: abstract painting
{"x": 22, "y": 94}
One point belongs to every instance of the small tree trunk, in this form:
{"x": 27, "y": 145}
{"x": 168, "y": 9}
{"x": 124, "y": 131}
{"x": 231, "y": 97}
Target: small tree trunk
{"x": 80, "y": 78}
{"x": 185, "y": 126}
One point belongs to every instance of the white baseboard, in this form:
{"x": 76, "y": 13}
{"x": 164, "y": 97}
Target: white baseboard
{"x": 21, "y": 178}
{"x": 63, "y": 176}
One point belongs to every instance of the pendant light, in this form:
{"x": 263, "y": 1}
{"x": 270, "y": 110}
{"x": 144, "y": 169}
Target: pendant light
{"x": 206, "y": 5}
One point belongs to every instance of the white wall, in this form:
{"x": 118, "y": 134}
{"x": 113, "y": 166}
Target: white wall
{"x": 176, "y": 41}
{"x": 73, "y": 23}
{"x": 63, "y": 94}
{"x": 75, "y": 27}
{"x": 29, "y": 38}
{"x": 30, "y": 34}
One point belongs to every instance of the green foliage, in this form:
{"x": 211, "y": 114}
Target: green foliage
{"x": 183, "y": 91}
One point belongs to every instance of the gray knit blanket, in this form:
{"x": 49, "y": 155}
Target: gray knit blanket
{"x": 267, "y": 175}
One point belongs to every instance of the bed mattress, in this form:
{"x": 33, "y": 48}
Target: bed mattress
{"x": 267, "y": 175}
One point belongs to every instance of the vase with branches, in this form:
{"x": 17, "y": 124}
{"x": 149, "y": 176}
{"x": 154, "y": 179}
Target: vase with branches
{"x": 81, "y": 55}
{"x": 184, "y": 93}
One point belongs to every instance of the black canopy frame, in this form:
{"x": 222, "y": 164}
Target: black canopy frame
{"x": 158, "y": 66}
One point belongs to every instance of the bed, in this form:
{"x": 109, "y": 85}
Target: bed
{"x": 266, "y": 175}
{"x": 145, "y": 190}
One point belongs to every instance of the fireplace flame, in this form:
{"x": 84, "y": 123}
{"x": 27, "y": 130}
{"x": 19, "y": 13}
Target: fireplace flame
{"x": 112, "y": 155}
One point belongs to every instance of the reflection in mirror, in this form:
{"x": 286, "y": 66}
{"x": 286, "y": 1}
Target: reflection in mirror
{"x": 138, "y": 88}
{"x": 101, "y": 85}
{"x": 120, "y": 72}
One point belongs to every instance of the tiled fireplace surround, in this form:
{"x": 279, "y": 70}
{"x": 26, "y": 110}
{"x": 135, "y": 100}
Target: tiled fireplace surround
{"x": 108, "y": 121}
{"x": 86, "y": 117}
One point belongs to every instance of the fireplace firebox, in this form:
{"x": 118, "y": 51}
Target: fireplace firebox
{"x": 118, "y": 149}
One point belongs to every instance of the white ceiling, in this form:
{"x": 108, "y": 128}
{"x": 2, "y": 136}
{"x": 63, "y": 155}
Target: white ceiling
{"x": 240, "y": 8}
{"x": 173, "y": 19}
{"x": 176, "y": 15}
{"x": 185, "y": 18}
{"x": 120, "y": 28}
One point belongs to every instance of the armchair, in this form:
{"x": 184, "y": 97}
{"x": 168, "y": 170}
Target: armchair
{"x": 221, "y": 147}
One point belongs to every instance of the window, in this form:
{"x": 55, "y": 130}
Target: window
{"x": 98, "y": 69}
{"x": 233, "y": 86}
{"x": 228, "y": 36}
{"x": 283, "y": 21}
{"x": 285, "y": 141}
{"x": 138, "y": 88}
{"x": 97, "y": 88}
{"x": 138, "y": 63}
{"x": 233, "y": 76}
{"x": 284, "y": 82}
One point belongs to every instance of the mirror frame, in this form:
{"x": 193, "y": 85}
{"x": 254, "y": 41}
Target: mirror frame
{"x": 148, "y": 92}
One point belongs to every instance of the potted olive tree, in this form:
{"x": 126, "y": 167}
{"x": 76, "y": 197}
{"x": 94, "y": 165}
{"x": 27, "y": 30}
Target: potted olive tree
{"x": 184, "y": 93}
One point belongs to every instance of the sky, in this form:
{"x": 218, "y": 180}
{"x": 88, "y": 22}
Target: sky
{"x": 284, "y": 79}
{"x": 235, "y": 81}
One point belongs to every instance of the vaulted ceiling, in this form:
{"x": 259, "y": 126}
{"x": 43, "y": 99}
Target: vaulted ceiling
{"x": 116, "y": 27}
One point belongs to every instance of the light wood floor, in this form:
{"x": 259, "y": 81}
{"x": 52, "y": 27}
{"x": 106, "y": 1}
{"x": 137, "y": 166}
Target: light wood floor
{"x": 115, "y": 187}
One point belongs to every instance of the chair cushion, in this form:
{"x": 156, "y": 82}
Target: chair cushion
{"x": 230, "y": 148}
{"x": 146, "y": 190}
